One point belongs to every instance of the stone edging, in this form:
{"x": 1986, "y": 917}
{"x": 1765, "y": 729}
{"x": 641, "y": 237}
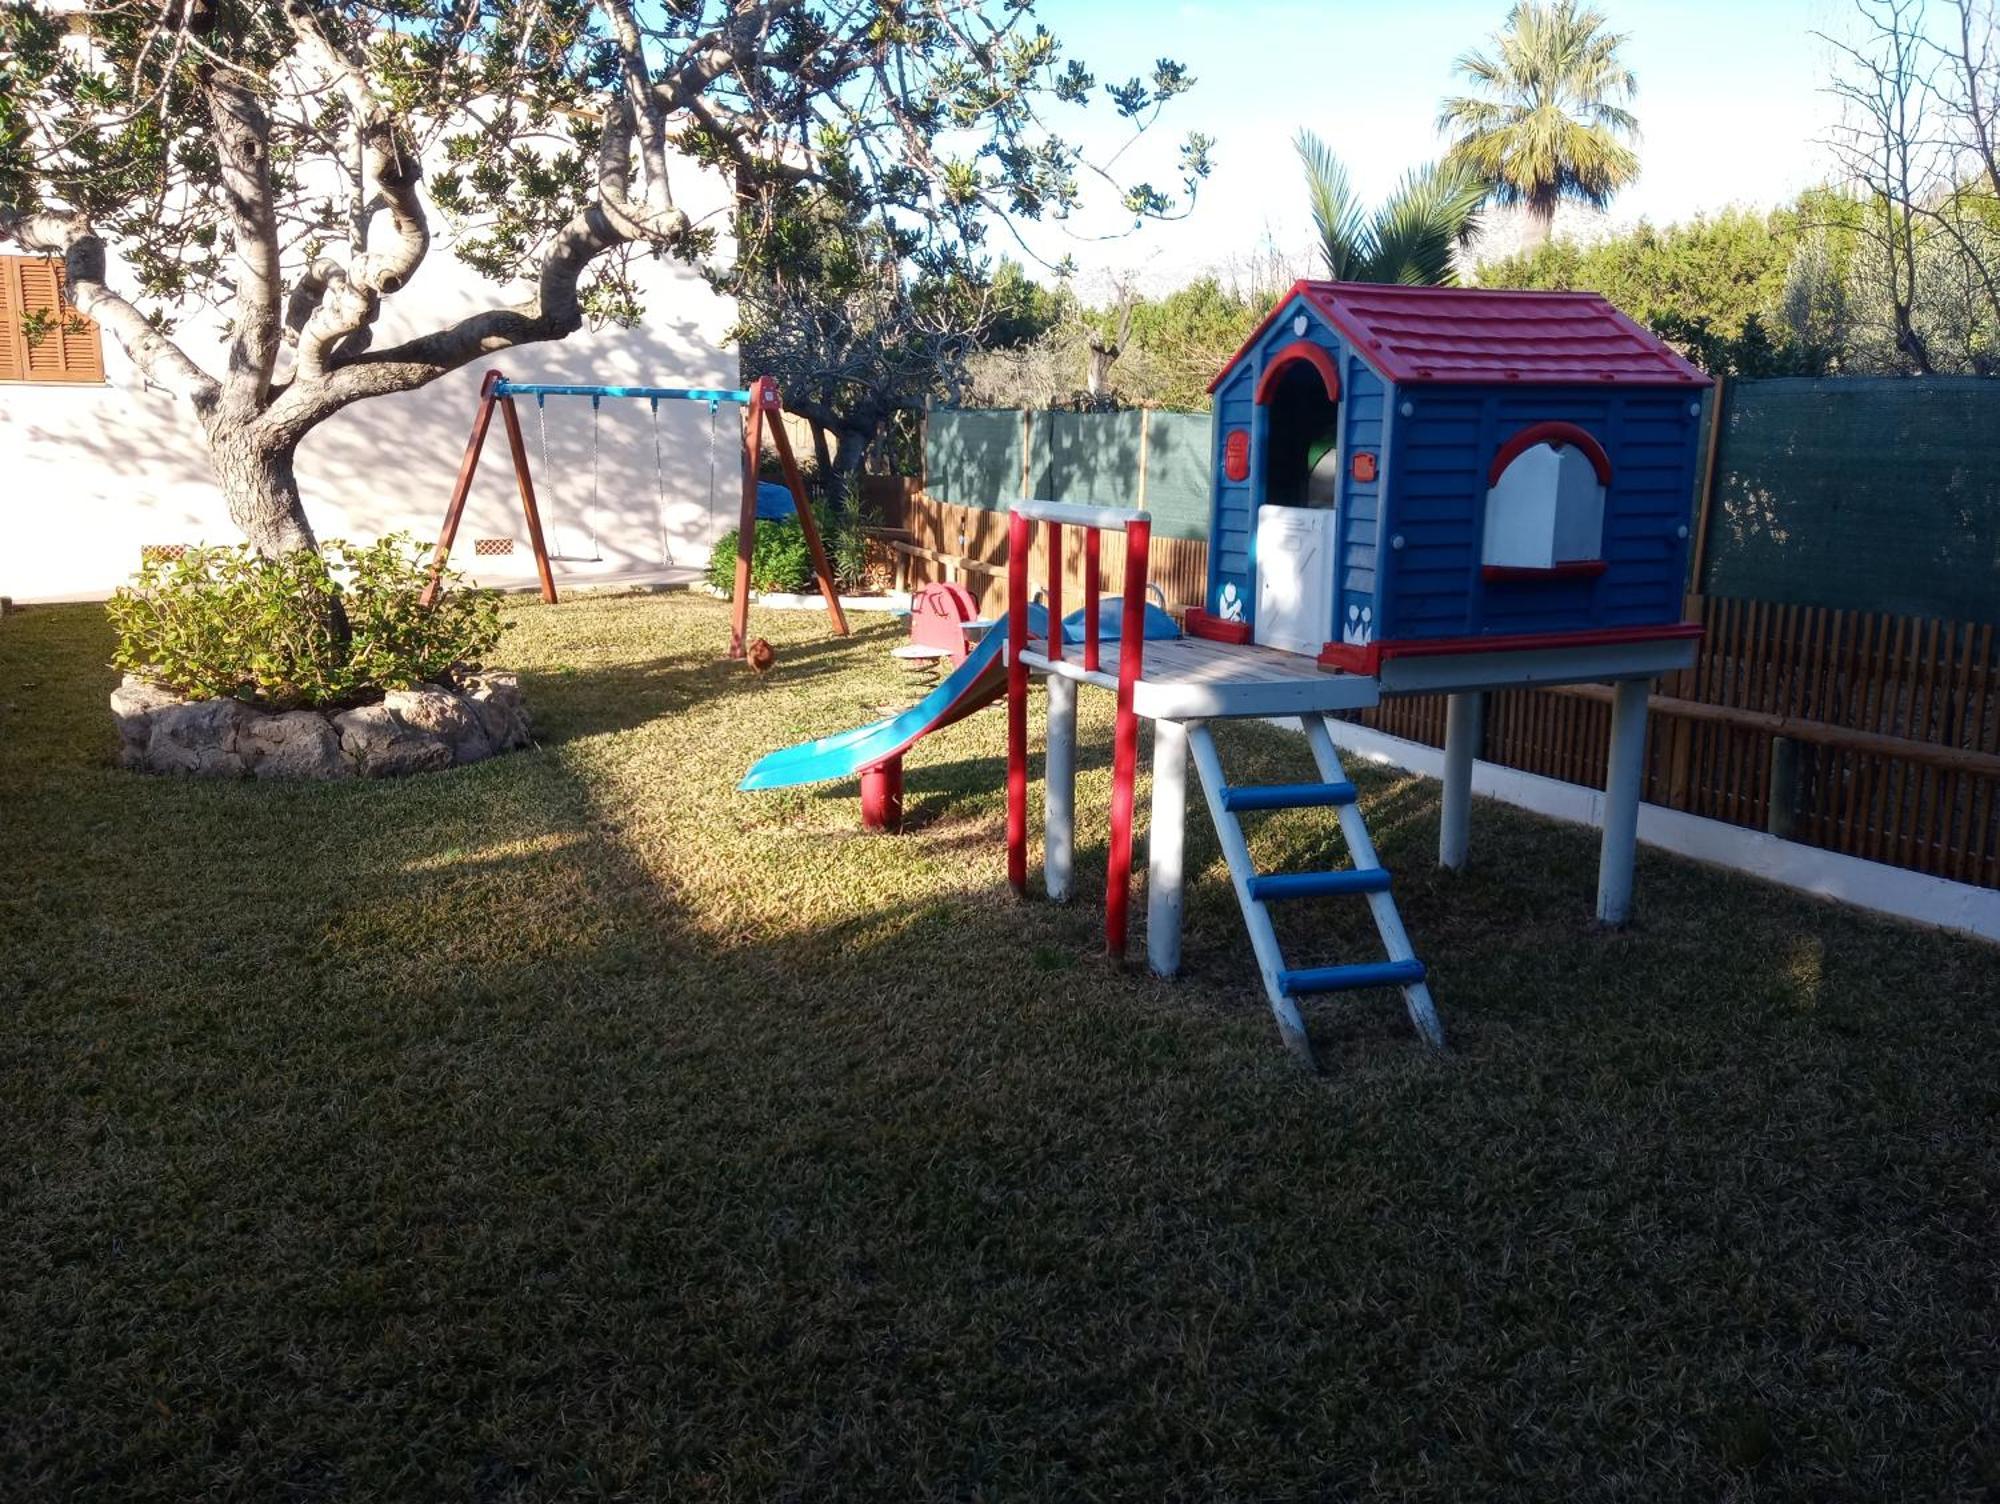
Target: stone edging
{"x": 407, "y": 731}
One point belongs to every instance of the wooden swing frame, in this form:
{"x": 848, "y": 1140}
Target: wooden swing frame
{"x": 760, "y": 398}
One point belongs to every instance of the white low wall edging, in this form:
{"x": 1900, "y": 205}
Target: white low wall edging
{"x": 1916, "y": 896}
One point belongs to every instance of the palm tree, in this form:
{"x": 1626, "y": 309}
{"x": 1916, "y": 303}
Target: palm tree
{"x": 1411, "y": 237}
{"x": 1551, "y": 125}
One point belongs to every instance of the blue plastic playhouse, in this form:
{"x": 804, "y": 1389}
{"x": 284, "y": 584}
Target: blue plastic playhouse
{"x": 1402, "y": 469}
{"x": 1416, "y": 490}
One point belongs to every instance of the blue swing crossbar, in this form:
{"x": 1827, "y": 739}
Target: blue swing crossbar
{"x": 506, "y": 388}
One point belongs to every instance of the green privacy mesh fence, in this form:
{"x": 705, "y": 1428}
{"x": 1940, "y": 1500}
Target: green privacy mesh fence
{"x": 1177, "y": 477}
{"x": 1873, "y": 494}
{"x": 974, "y": 460}
{"x": 1856, "y": 493}
{"x": 973, "y": 457}
{"x": 1090, "y": 458}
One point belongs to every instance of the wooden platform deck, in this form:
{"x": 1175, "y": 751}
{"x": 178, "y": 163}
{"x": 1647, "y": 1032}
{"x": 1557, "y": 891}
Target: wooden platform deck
{"x": 1189, "y": 678}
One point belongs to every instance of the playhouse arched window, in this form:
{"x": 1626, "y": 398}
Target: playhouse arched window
{"x": 1545, "y": 502}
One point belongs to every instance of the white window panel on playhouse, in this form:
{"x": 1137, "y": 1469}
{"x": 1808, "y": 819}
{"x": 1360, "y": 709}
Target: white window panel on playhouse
{"x": 1546, "y": 509}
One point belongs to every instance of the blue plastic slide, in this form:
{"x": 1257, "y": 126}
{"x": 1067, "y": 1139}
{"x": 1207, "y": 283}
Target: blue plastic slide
{"x": 973, "y": 685}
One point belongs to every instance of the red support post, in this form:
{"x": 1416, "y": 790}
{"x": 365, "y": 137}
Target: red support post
{"x": 1054, "y": 545}
{"x": 882, "y": 796}
{"x": 746, "y": 528}
{"x": 462, "y": 487}
{"x": 1125, "y": 739}
{"x": 1017, "y": 703}
{"x": 766, "y": 393}
{"x": 1092, "y": 587}
{"x": 518, "y": 447}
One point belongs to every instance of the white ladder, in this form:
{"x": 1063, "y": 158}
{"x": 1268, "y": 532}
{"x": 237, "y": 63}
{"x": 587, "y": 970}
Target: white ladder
{"x": 1255, "y": 890}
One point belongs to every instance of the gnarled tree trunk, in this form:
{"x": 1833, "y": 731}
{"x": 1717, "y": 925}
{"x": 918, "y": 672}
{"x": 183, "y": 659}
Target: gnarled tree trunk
{"x": 260, "y": 485}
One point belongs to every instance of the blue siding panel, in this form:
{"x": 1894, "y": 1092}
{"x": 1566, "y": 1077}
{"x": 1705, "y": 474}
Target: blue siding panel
{"x": 1432, "y": 587}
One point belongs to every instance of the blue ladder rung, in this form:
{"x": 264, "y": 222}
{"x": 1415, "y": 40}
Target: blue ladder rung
{"x": 1319, "y": 884}
{"x": 1287, "y": 796}
{"x": 1346, "y": 978}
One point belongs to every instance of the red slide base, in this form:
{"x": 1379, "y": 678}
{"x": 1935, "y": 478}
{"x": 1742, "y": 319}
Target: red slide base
{"x": 882, "y": 797}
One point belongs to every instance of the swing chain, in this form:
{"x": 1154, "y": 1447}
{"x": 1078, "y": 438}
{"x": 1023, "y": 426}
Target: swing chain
{"x": 660, "y": 489}
{"x": 590, "y": 516}
{"x": 713, "y": 405}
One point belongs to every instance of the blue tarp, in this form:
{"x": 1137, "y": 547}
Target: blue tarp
{"x": 774, "y": 502}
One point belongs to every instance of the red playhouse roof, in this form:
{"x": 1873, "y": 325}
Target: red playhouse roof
{"x": 1484, "y": 335}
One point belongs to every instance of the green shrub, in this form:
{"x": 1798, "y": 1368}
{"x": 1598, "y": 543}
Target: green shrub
{"x": 780, "y": 562}
{"x": 334, "y": 628}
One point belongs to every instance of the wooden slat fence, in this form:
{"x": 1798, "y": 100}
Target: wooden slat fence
{"x": 1839, "y": 678}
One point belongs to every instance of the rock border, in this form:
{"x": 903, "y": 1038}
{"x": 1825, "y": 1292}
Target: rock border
{"x": 415, "y": 730}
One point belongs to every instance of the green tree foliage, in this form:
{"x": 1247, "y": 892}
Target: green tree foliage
{"x": 1172, "y": 347}
{"x": 289, "y": 162}
{"x": 1412, "y": 237}
{"x": 1739, "y": 292}
{"x": 1547, "y": 121}
{"x": 1181, "y": 340}
{"x": 1023, "y": 309}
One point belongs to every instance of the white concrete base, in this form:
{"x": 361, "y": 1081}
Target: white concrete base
{"x": 1916, "y": 896}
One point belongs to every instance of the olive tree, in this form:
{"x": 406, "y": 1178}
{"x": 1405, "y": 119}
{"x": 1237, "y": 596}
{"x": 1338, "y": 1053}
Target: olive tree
{"x": 288, "y": 163}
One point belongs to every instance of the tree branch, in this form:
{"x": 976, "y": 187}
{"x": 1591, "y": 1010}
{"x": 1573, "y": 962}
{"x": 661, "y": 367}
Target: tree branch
{"x": 243, "y": 159}
{"x": 651, "y": 116}
{"x": 332, "y": 310}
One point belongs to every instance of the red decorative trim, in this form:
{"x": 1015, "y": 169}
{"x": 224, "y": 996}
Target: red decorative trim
{"x": 1363, "y": 466}
{"x": 1557, "y": 434}
{"x": 1198, "y": 623}
{"x": 1349, "y": 658}
{"x": 1299, "y": 349}
{"x": 1352, "y": 659}
{"x": 1568, "y": 569}
{"x": 1527, "y": 642}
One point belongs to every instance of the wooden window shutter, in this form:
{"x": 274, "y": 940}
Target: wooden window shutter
{"x": 69, "y": 349}
{"x": 10, "y": 322}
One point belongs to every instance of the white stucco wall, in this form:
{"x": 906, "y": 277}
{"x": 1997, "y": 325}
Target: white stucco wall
{"x": 90, "y": 474}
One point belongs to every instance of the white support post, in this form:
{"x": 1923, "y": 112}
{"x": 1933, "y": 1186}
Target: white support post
{"x": 1059, "y": 821}
{"x": 1623, "y": 779}
{"x": 1462, "y": 717}
{"x": 1165, "y": 841}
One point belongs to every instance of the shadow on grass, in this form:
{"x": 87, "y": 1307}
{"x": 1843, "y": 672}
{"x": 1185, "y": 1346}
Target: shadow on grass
{"x": 573, "y": 1125}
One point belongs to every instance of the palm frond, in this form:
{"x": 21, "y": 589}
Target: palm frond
{"x": 1421, "y": 224}
{"x": 1345, "y": 241}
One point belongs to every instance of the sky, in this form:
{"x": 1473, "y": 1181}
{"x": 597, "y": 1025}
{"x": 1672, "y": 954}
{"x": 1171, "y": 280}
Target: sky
{"x": 1731, "y": 106}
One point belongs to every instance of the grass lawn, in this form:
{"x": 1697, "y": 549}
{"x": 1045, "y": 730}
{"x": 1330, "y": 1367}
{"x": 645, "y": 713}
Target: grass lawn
{"x": 573, "y": 1126}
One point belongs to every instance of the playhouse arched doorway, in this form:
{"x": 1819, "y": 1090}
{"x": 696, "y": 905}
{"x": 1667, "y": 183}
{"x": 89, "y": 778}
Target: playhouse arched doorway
{"x": 1296, "y": 522}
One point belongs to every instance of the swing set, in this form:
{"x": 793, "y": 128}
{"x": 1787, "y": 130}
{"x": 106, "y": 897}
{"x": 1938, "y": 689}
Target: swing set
{"x": 759, "y": 401}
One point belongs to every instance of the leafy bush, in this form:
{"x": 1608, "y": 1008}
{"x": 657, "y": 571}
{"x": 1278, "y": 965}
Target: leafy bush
{"x": 334, "y": 628}
{"x": 780, "y": 562}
